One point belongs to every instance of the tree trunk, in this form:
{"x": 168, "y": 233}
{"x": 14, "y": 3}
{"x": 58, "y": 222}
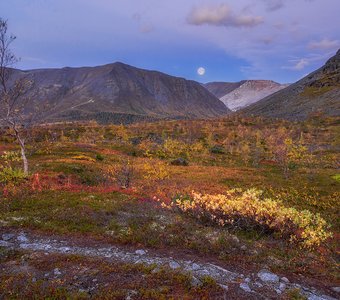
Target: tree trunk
{"x": 23, "y": 154}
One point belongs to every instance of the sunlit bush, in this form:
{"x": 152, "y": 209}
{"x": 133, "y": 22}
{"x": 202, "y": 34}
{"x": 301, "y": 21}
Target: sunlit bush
{"x": 249, "y": 210}
{"x": 9, "y": 174}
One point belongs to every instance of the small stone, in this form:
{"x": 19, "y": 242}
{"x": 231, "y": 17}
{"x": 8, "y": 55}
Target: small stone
{"x": 47, "y": 274}
{"x": 131, "y": 295}
{"x": 247, "y": 280}
{"x": 284, "y": 279}
{"x": 34, "y": 279}
{"x": 278, "y": 291}
{"x": 140, "y": 252}
{"x": 5, "y": 244}
{"x": 259, "y": 284}
{"x": 316, "y": 297}
{"x": 174, "y": 265}
{"x": 224, "y": 287}
{"x": 235, "y": 239}
{"x": 195, "y": 281}
{"x": 267, "y": 276}
{"x": 22, "y": 238}
{"x": 244, "y": 248}
{"x": 336, "y": 289}
{"x": 282, "y": 286}
{"x": 193, "y": 267}
{"x": 65, "y": 249}
{"x": 56, "y": 272}
{"x": 94, "y": 280}
{"x": 244, "y": 286}
{"x": 7, "y": 236}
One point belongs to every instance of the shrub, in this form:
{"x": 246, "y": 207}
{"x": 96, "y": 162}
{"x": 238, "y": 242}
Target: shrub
{"x": 155, "y": 171}
{"x": 179, "y": 162}
{"x": 217, "y": 149}
{"x": 247, "y": 209}
{"x": 9, "y": 175}
{"x": 122, "y": 174}
{"x": 99, "y": 157}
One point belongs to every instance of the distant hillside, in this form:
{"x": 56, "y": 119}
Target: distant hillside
{"x": 241, "y": 94}
{"x": 120, "y": 89}
{"x": 220, "y": 89}
{"x": 317, "y": 92}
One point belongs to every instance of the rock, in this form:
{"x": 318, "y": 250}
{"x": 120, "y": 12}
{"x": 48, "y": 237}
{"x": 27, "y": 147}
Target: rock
{"x": 284, "y": 279}
{"x": 247, "y": 280}
{"x": 193, "y": 267}
{"x": 131, "y": 295}
{"x": 56, "y": 272}
{"x": 195, "y": 282}
{"x": 235, "y": 239}
{"x": 5, "y": 244}
{"x": 180, "y": 162}
{"x": 268, "y": 277}
{"x": 244, "y": 248}
{"x": 224, "y": 287}
{"x": 174, "y": 265}
{"x": 244, "y": 286}
{"x": 322, "y": 297}
{"x": 140, "y": 252}
{"x": 7, "y": 236}
{"x": 22, "y": 238}
{"x": 65, "y": 249}
{"x": 282, "y": 286}
{"x": 336, "y": 289}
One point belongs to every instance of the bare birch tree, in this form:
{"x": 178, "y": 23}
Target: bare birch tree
{"x": 15, "y": 108}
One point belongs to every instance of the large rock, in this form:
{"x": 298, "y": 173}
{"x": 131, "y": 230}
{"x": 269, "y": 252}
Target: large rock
{"x": 268, "y": 277}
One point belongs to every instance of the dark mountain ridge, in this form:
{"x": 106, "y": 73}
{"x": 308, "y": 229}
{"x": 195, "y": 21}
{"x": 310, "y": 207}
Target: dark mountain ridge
{"x": 120, "y": 89}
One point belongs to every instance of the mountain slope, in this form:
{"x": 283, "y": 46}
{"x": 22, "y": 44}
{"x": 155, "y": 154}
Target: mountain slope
{"x": 122, "y": 89}
{"x": 319, "y": 91}
{"x": 220, "y": 89}
{"x": 250, "y": 92}
{"x": 241, "y": 94}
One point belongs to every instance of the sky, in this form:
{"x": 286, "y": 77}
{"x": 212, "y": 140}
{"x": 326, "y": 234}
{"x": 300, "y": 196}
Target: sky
{"x": 280, "y": 40}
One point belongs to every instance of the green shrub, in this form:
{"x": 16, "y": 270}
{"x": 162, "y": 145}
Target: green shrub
{"x": 99, "y": 157}
{"x": 10, "y": 175}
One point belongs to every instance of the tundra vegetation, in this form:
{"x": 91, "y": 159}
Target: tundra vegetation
{"x": 246, "y": 191}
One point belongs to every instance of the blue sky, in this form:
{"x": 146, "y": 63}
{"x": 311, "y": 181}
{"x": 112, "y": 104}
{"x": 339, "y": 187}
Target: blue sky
{"x": 282, "y": 40}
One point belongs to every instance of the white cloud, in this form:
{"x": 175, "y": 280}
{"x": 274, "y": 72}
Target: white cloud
{"x": 298, "y": 65}
{"x": 324, "y": 44}
{"x": 221, "y": 15}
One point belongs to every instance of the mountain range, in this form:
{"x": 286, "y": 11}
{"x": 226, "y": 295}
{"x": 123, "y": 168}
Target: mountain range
{"x": 317, "y": 92}
{"x": 236, "y": 95}
{"x": 119, "y": 93}
{"x": 120, "y": 90}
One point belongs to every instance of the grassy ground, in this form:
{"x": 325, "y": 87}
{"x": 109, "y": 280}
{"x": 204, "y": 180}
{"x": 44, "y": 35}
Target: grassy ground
{"x": 77, "y": 194}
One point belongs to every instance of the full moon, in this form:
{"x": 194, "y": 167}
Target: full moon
{"x": 201, "y": 71}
